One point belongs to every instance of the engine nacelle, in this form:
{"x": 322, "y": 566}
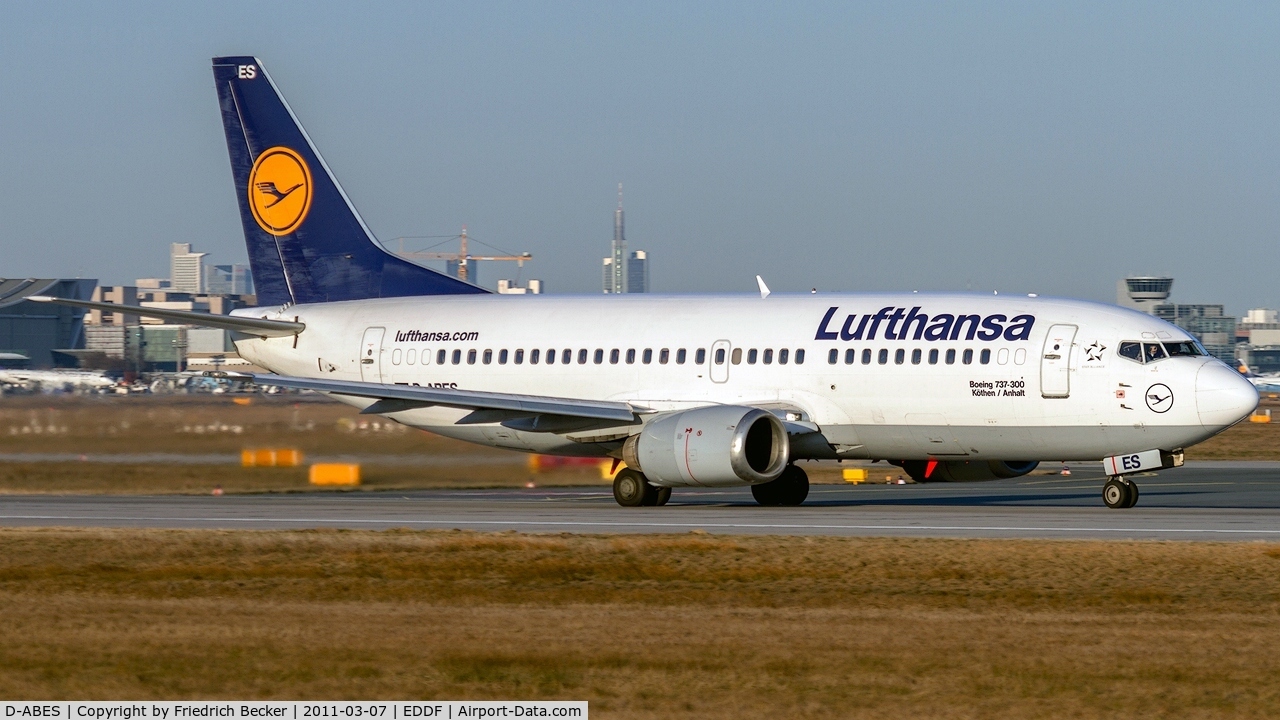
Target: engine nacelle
{"x": 967, "y": 470}
{"x": 709, "y": 446}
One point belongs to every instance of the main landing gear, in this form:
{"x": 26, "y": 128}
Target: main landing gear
{"x": 632, "y": 489}
{"x": 1120, "y": 492}
{"x": 790, "y": 488}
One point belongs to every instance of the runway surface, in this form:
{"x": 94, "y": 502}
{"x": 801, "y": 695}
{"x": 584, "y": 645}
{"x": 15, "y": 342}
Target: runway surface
{"x": 1203, "y": 501}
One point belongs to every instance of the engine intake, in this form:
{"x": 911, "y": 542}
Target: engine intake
{"x": 710, "y": 446}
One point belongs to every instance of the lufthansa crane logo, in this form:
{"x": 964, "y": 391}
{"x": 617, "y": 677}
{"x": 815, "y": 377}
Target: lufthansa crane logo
{"x": 280, "y": 190}
{"x": 1159, "y": 398}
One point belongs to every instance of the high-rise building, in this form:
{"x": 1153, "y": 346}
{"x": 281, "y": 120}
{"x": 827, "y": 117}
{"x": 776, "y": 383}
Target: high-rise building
{"x": 228, "y": 280}
{"x": 186, "y": 269}
{"x": 624, "y": 273}
{"x": 615, "y": 266}
{"x": 638, "y": 272}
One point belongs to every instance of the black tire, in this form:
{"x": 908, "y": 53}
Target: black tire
{"x": 631, "y": 489}
{"x": 766, "y": 494}
{"x": 789, "y": 489}
{"x": 1133, "y": 495}
{"x": 663, "y": 495}
{"x": 1116, "y": 494}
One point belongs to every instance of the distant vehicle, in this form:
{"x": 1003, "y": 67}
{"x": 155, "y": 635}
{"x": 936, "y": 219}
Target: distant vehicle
{"x": 695, "y": 390}
{"x": 56, "y": 379}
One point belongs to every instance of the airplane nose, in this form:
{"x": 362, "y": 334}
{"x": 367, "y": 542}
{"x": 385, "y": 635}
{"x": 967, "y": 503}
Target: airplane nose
{"x": 1223, "y": 396}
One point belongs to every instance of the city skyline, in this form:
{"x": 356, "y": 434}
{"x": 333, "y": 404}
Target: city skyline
{"x": 1048, "y": 150}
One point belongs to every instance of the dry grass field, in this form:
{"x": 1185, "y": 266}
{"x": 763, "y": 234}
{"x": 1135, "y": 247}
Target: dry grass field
{"x": 648, "y": 627}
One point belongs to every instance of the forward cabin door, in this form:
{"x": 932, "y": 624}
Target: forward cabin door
{"x": 1055, "y": 362}
{"x": 371, "y": 355}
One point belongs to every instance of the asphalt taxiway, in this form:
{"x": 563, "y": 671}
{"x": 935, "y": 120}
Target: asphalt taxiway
{"x": 1203, "y": 501}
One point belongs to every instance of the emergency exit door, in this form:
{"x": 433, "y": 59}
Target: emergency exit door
{"x": 371, "y": 355}
{"x": 1055, "y": 362}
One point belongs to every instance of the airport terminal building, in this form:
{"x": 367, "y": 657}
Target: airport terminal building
{"x": 38, "y": 335}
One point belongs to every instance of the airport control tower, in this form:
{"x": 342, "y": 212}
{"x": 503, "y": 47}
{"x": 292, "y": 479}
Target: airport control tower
{"x": 1143, "y": 292}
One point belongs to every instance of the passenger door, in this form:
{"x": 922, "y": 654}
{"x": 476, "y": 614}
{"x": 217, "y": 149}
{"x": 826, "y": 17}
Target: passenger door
{"x": 1055, "y": 362}
{"x": 720, "y": 361}
{"x": 371, "y": 355}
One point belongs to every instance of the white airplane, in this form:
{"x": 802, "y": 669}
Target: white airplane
{"x": 695, "y": 390}
{"x": 56, "y": 378}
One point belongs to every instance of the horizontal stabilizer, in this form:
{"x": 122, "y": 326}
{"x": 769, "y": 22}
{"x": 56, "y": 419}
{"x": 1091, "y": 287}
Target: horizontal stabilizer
{"x": 261, "y": 327}
{"x": 395, "y": 398}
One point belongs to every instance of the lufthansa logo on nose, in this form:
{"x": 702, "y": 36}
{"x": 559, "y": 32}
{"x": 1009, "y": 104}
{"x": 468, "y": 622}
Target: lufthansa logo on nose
{"x": 280, "y": 190}
{"x": 1159, "y": 398}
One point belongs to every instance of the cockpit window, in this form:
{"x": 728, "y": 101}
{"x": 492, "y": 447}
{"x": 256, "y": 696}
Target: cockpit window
{"x": 1153, "y": 351}
{"x": 1186, "y": 347}
{"x": 1131, "y": 350}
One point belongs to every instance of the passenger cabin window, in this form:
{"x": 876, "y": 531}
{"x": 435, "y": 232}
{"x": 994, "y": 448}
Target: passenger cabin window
{"x": 968, "y": 357}
{"x": 899, "y": 356}
{"x": 800, "y": 356}
{"x": 866, "y": 356}
{"x": 985, "y": 357}
{"x": 782, "y": 356}
{"x": 884, "y": 357}
{"x": 719, "y": 356}
{"x": 916, "y": 356}
{"x": 533, "y": 356}
{"x": 457, "y": 357}
{"x": 395, "y": 356}
{"x": 768, "y": 356}
{"x": 647, "y": 358}
{"x": 752, "y": 354}
{"x": 412, "y": 356}
{"x": 551, "y": 357}
{"x": 631, "y": 356}
{"x": 599, "y": 357}
{"x": 933, "y": 356}
{"x": 664, "y": 355}
{"x": 700, "y": 357}
{"x": 502, "y": 357}
{"x": 488, "y": 357}
{"x": 850, "y": 356}
{"x": 566, "y": 357}
{"x": 440, "y": 356}
{"x": 520, "y": 357}
{"x": 582, "y": 356}
{"x": 471, "y": 357}
{"x": 680, "y": 356}
{"x": 614, "y": 355}
{"x": 951, "y": 356}
{"x": 833, "y": 355}
{"x": 736, "y": 358}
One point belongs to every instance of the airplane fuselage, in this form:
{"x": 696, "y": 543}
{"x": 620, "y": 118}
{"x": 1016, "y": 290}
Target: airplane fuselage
{"x": 884, "y": 376}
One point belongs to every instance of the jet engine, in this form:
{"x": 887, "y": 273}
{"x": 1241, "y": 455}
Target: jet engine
{"x": 716, "y": 445}
{"x": 965, "y": 470}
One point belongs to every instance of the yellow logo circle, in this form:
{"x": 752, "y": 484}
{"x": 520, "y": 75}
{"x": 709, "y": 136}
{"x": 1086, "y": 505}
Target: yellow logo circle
{"x": 280, "y": 190}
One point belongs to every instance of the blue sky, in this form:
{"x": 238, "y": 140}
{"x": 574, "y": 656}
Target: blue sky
{"x": 1030, "y": 147}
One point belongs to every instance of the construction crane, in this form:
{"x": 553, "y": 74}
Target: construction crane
{"x": 462, "y": 257}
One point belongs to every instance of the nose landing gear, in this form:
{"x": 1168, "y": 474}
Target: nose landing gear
{"x": 1120, "y": 493}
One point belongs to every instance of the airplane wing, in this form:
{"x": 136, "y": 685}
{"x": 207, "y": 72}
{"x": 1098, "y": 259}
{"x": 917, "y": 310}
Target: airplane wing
{"x": 524, "y": 410}
{"x": 262, "y": 327}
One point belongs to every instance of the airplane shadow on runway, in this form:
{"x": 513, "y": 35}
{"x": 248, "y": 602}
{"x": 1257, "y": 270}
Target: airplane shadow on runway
{"x": 1083, "y": 499}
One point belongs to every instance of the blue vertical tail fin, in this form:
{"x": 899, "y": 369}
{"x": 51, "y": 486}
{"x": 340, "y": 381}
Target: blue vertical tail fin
{"x": 306, "y": 242}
